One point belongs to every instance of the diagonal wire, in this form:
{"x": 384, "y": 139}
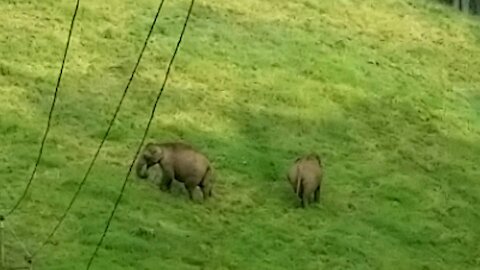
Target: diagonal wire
{"x": 24, "y": 247}
{"x": 85, "y": 177}
{"x": 152, "y": 114}
{"x": 49, "y": 114}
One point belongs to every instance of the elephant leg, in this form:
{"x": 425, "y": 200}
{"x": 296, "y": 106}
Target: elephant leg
{"x": 205, "y": 193}
{"x": 302, "y": 199}
{"x": 167, "y": 179}
{"x": 206, "y": 184}
{"x": 206, "y": 190}
{"x": 190, "y": 185}
{"x": 304, "y": 202}
{"x": 190, "y": 190}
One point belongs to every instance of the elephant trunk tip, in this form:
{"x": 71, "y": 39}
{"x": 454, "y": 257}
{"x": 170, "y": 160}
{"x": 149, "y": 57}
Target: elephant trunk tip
{"x": 142, "y": 169}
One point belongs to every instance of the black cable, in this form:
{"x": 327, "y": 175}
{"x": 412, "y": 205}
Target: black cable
{"x": 49, "y": 114}
{"x": 152, "y": 114}
{"x": 80, "y": 186}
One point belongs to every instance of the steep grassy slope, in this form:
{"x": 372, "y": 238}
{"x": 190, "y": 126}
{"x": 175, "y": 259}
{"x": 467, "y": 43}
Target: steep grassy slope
{"x": 386, "y": 90}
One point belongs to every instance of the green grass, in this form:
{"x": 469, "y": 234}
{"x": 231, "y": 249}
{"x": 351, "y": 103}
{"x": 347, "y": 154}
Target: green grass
{"x": 386, "y": 90}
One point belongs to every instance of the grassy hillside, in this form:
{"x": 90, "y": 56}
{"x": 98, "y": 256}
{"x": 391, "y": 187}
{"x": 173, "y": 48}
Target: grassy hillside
{"x": 386, "y": 90}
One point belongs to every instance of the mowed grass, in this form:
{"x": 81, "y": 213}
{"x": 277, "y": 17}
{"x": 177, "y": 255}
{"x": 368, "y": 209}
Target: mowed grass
{"x": 386, "y": 91}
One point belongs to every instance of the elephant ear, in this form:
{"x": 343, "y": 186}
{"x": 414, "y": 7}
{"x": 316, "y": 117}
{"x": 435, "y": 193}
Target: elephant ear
{"x": 156, "y": 154}
{"x": 149, "y": 153}
{"x": 149, "y": 145}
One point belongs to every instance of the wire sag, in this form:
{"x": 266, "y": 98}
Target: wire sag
{"x": 152, "y": 114}
{"x": 47, "y": 129}
{"x": 107, "y": 132}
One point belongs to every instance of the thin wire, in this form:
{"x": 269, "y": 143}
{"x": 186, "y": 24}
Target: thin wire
{"x": 82, "y": 183}
{"x": 49, "y": 114}
{"x": 152, "y": 114}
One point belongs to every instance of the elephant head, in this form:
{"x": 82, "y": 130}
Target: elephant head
{"x": 151, "y": 154}
{"x": 310, "y": 156}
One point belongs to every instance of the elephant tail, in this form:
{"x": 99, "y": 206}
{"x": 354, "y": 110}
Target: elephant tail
{"x": 207, "y": 180}
{"x": 299, "y": 182}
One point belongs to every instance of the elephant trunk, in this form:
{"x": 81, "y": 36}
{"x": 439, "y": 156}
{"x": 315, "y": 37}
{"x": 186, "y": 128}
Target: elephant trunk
{"x": 142, "y": 168}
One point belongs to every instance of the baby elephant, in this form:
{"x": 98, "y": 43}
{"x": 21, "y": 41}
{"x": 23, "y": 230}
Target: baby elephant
{"x": 305, "y": 176}
{"x": 177, "y": 161}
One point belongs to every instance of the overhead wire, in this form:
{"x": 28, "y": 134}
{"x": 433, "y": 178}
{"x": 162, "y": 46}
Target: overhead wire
{"x": 50, "y": 114}
{"x": 107, "y": 132}
{"x": 152, "y": 114}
